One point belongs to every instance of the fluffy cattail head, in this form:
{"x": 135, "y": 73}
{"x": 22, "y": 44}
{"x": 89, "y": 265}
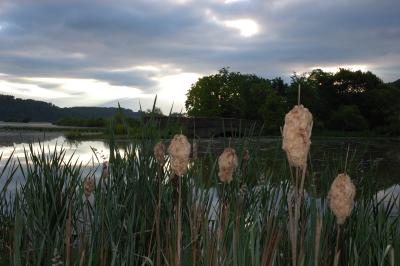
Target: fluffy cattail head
{"x": 296, "y": 135}
{"x": 341, "y": 197}
{"x": 227, "y": 163}
{"x": 159, "y": 153}
{"x": 179, "y": 150}
{"x": 88, "y": 186}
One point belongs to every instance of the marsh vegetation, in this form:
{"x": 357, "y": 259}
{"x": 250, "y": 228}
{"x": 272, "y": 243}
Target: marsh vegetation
{"x": 130, "y": 216}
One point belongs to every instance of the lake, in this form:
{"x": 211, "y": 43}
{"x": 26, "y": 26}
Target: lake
{"x": 380, "y": 156}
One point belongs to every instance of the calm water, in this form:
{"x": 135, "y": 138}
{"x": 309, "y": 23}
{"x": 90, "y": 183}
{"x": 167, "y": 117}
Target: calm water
{"x": 15, "y": 143}
{"x": 380, "y": 156}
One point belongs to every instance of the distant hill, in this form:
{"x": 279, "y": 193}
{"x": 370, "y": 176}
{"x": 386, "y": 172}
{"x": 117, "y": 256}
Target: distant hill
{"x": 396, "y": 83}
{"x": 15, "y": 109}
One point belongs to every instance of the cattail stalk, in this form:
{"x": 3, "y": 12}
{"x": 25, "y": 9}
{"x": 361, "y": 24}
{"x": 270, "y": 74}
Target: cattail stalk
{"x": 193, "y": 231}
{"x": 223, "y": 218}
{"x": 337, "y": 251}
{"x": 317, "y": 240}
{"x": 68, "y": 232}
{"x": 159, "y": 154}
{"x": 179, "y": 225}
{"x": 179, "y": 149}
{"x": 296, "y": 142}
{"x": 158, "y": 214}
{"x": 227, "y": 163}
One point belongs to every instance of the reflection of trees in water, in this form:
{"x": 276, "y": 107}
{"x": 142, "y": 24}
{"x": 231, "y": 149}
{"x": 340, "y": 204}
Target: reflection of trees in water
{"x": 372, "y": 160}
{"x": 9, "y": 138}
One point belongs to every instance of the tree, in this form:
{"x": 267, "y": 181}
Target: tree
{"x": 309, "y": 96}
{"x": 227, "y": 94}
{"x": 156, "y": 111}
{"x": 381, "y": 104}
{"x": 345, "y": 100}
{"x": 279, "y": 86}
{"x": 347, "y": 117}
{"x": 203, "y": 97}
{"x": 273, "y": 111}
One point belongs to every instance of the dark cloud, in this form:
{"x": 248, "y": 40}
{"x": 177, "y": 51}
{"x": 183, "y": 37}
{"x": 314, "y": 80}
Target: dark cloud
{"x": 96, "y": 39}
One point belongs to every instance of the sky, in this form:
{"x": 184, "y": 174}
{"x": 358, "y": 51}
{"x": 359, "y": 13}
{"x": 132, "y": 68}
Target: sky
{"x": 99, "y": 53}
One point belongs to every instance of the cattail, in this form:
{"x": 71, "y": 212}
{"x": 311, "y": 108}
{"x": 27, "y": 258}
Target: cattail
{"x": 88, "y": 186}
{"x": 179, "y": 149}
{"x": 105, "y": 172}
{"x": 104, "y": 178}
{"x": 296, "y": 135}
{"x": 159, "y": 153}
{"x": 227, "y": 163}
{"x": 341, "y": 197}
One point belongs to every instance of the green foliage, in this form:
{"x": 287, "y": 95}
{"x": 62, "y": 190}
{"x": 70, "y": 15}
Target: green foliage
{"x": 147, "y": 126}
{"x": 273, "y": 111}
{"x": 74, "y": 134}
{"x": 80, "y": 122}
{"x": 370, "y": 103}
{"x": 347, "y": 117}
{"x": 227, "y": 94}
{"x": 309, "y": 96}
{"x": 156, "y": 111}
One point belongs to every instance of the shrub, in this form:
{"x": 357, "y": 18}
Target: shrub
{"x": 347, "y": 117}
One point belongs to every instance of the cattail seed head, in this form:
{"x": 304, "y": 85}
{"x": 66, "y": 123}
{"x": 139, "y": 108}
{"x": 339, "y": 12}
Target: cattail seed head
{"x": 179, "y": 150}
{"x": 227, "y": 163}
{"x": 341, "y": 197}
{"x": 159, "y": 153}
{"x": 88, "y": 186}
{"x": 296, "y": 135}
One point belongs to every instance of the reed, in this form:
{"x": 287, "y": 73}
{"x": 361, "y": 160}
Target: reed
{"x": 135, "y": 211}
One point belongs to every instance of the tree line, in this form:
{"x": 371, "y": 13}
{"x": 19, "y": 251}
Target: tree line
{"x": 343, "y": 101}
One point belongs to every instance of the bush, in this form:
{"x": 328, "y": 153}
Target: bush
{"x": 394, "y": 126}
{"x": 347, "y": 117}
{"x": 80, "y": 122}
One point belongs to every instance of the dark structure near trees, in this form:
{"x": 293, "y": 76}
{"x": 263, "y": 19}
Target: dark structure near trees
{"x": 205, "y": 127}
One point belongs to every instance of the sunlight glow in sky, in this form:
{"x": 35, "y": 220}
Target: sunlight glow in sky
{"x": 175, "y": 87}
{"x": 246, "y": 27}
{"x": 334, "y": 69}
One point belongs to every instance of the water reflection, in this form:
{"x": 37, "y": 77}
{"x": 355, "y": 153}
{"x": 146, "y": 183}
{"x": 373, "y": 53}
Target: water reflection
{"x": 373, "y": 158}
{"x": 90, "y": 154}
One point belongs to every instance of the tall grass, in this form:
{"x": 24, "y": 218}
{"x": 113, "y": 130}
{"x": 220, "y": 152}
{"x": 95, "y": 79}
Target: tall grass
{"x": 43, "y": 218}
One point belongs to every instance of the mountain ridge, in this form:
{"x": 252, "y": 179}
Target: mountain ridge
{"x": 28, "y": 110}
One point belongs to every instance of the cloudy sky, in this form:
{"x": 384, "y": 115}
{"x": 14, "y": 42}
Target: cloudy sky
{"x": 96, "y": 53}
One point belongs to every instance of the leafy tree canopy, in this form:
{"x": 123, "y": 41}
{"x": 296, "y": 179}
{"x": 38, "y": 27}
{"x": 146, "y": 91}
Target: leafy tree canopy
{"x": 345, "y": 100}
